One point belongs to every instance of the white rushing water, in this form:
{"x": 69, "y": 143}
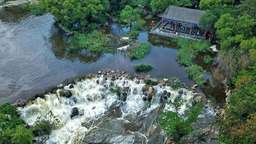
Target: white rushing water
{"x": 93, "y": 98}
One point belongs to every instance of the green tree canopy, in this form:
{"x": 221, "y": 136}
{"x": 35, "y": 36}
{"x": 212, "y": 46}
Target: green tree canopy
{"x": 159, "y": 6}
{"x": 206, "y": 4}
{"x": 129, "y": 15}
{"x": 77, "y": 14}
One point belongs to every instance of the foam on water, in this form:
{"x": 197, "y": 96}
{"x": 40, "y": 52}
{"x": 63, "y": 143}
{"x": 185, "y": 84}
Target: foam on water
{"x": 93, "y": 98}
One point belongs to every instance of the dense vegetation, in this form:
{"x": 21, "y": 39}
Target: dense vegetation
{"x": 11, "y": 127}
{"x": 175, "y": 124}
{"x": 143, "y": 67}
{"x": 94, "y": 42}
{"x": 139, "y": 51}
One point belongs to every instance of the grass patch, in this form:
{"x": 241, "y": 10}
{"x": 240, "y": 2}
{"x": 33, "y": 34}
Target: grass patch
{"x": 189, "y": 50}
{"x": 195, "y": 72}
{"x": 140, "y": 51}
{"x": 95, "y": 42}
{"x": 143, "y": 67}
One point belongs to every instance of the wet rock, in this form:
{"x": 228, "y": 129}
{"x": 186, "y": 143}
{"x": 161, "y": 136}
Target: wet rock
{"x": 198, "y": 99}
{"x": 81, "y": 112}
{"x": 124, "y": 96}
{"x": 165, "y": 80}
{"x": 165, "y": 92}
{"x": 97, "y": 81}
{"x": 145, "y": 88}
{"x": 20, "y": 103}
{"x": 151, "y": 90}
{"x": 103, "y": 96}
{"x": 194, "y": 87}
{"x": 145, "y": 98}
{"x": 135, "y": 91}
{"x": 126, "y": 88}
{"x": 89, "y": 97}
{"x": 71, "y": 86}
{"x": 99, "y": 72}
{"x": 137, "y": 82}
{"x": 149, "y": 97}
{"x": 74, "y": 112}
{"x": 60, "y": 86}
{"x": 111, "y": 84}
{"x": 135, "y": 126}
{"x": 180, "y": 92}
{"x": 168, "y": 94}
{"x": 65, "y": 93}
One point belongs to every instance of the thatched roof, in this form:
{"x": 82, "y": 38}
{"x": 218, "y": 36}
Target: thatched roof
{"x": 182, "y": 14}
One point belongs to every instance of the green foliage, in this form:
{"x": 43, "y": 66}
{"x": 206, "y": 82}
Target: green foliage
{"x": 232, "y": 31}
{"x": 174, "y": 82}
{"x": 143, "y": 67}
{"x": 38, "y": 9}
{"x": 94, "y": 42}
{"x": 78, "y": 15}
{"x": 116, "y": 90}
{"x": 195, "y": 72}
{"x": 178, "y": 125}
{"x": 189, "y": 49}
{"x": 145, "y": 3}
{"x": 239, "y": 124}
{"x": 139, "y": 25}
{"x": 208, "y": 59}
{"x": 157, "y": 41}
{"x": 11, "y": 130}
{"x": 159, "y": 6}
{"x": 140, "y": 51}
{"x": 133, "y": 34}
{"x": 248, "y": 7}
{"x": 150, "y": 82}
{"x": 45, "y": 124}
{"x": 208, "y": 19}
{"x": 206, "y": 4}
{"x": 129, "y": 15}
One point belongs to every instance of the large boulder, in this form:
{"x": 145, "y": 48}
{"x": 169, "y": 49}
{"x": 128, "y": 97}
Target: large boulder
{"x": 145, "y": 88}
{"x": 65, "y": 93}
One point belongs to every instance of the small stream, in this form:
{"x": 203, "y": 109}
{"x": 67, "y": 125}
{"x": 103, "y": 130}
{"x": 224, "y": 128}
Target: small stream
{"x": 34, "y": 57}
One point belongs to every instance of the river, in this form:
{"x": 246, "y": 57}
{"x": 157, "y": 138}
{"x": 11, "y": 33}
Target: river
{"x": 34, "y": 57}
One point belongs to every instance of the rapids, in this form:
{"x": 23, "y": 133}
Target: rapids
{"x": 103, "y": 115}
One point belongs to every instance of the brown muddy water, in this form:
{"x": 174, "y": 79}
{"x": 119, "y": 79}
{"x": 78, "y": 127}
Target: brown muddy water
{"x": 34, "y": 57}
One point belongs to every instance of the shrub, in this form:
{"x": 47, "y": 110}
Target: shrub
{"x": 178, "y": 125}
{"x": 189, "y": 49}
{"x": 208, "y": 59}
{"x": 196, "y": 73}
{"x": 174, "y": 82}
{"x": 116, "y": 90}
{"x": 143, "y": 68}
{"x": 38, "y": 9}
{"x": 150, "y": 82}
{"x": 140, "y": 51}
{"x": 133, "y": 34}
{"x": 11, "y": 130}
{"x": 94, "y": 42}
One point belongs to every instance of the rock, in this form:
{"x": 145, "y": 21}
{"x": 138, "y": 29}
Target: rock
{"x": 198, "y": 99}
{"x": 1, "y": 2}
{"x": 149, "y": 97}
{"x": 99, "y": 72}
{"x": 151, "y": 90}
{"x": 180, "y": 91}
{"x": 194, "y": 87}
{"x": 74, "y": 112}
{"x": 145, "y": 88}
{"x": 168, "y": 94}
{"x": 112, "y": 71}
{"x": 65, "y": 93}
{"x": 165, "y": 92}
{"x": 89, "y": 97}
{"x": 165, "y": 80}
{"x": 21, "y": 103}
{"x": 60, "y": 86}
{"x": 135, "y": 91}
{"x": 71, "y": 86}
{"x": 145, "y": 98}
{"x": 126, "y": 88}
{"x": 124, "y": 96}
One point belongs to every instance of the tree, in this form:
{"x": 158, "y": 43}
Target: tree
{"x": 159, "y": 6}
{"x": 129, "y": 15}
{"x": 175, "y": 124}
{"x": 206, "y": 4}
{"x": 77, "y": 15}
{"x": 248, "y": 7}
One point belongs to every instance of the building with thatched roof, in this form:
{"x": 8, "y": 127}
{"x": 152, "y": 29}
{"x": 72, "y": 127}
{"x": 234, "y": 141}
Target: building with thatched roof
{"x": 180, "y": 22}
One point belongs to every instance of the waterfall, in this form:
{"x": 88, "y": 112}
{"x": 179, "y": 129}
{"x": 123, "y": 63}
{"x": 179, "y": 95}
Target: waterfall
{"x": 93, "y": 97}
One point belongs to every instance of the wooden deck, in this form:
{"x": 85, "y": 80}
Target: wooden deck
{"x": 168, "y": 33}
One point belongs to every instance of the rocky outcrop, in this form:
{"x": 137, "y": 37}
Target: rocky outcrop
{"x": 17, "y": 2}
